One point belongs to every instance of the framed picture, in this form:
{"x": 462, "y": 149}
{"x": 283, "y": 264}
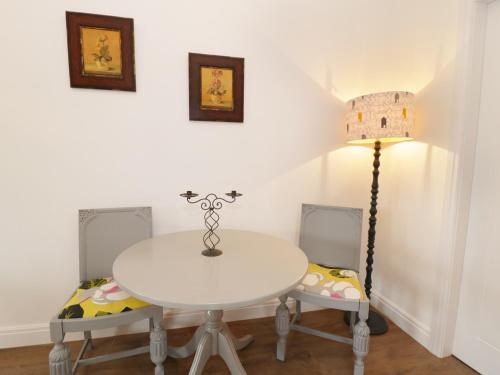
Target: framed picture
{"x": 100, "y": 51}
{"x": 215, "y": 88}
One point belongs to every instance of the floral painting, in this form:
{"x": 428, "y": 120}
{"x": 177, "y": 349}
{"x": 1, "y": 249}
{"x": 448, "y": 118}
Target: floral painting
{"x": 216, "y": 91}
{"x": 101, "y": 51}
{"x": 216, "y": 88}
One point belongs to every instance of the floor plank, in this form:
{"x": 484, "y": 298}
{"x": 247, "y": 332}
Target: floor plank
{"x": 394, "y": 353}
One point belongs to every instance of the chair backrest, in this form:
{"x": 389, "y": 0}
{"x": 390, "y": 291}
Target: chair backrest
{"x": 331, "y": 236}
{"x": 105, "y": 233}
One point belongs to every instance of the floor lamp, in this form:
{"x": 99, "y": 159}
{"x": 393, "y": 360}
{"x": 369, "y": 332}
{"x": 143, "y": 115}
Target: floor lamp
{"x": 376, "y": 119}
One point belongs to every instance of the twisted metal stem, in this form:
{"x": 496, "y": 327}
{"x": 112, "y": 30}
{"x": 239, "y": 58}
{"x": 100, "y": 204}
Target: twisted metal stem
{"x": 210, "y": 204}
{"x": 210, "y": 238}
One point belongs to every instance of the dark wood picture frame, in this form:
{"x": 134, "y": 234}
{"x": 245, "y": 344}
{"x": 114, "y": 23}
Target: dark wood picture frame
{"x": 196, "y": 111}
{"x": 78, "y": 78}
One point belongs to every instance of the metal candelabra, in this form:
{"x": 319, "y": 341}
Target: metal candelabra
{"x": 210, "y": 204}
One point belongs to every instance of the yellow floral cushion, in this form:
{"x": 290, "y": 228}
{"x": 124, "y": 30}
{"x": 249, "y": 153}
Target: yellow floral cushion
{"x": 98, "y": 297}
{"x": 334, "y": 283}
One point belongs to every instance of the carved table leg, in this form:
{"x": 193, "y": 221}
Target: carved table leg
{"x": 240, "y": 343}
{"x": 217, "y": 339}
{"x": 360, "y": 342}
{"x": 228, "y": 354}
{"x": 158, "y": 347}
{"x": 202, "y": 355}
{"x": 188, "y": 349}
{"x": 282, "y": 328}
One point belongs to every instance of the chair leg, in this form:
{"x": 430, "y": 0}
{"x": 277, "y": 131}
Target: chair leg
{"x": 88, "y": 336}
{"x": 352, "y": 321}
{"x": 360, "y": 343}
{"x": 158, "y": 346}
{"x": 298, "y": 310}
{"x": 282, "y": 328}
{"x": 59, "y": 360}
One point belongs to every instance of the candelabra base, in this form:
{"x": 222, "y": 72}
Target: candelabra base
{"x": 211, "y": 252}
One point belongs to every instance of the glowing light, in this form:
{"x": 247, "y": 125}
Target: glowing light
{"x": 385, "y": 116}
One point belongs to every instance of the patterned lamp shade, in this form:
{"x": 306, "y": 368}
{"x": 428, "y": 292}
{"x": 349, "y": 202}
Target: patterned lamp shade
{"x": 385, "y": 116}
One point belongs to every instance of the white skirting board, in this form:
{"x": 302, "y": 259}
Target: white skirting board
{"x": 36, "y": 334}
{"x": 413, "y": 327}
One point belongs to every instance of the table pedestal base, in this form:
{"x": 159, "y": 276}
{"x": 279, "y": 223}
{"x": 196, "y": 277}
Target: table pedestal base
{"x": 213, "y": 338}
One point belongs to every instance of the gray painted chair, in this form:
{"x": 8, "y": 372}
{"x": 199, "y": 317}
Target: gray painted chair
{"x": 330, "y": 236}
{"x": 104, "y": 233}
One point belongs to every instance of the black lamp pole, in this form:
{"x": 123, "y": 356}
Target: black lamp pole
{"x": 376, "y": 322}
{"x": 373, "y": 220}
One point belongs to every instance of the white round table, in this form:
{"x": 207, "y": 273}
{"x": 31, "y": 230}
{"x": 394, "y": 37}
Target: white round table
{"x": 170, "y": 271}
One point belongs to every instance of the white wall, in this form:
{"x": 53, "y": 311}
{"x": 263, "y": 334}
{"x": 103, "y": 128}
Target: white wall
{"x": 63, "y": 149}
{"x": 476, "y": 340}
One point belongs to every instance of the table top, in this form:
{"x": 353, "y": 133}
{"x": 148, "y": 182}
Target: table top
{"x": 170, "y": 270}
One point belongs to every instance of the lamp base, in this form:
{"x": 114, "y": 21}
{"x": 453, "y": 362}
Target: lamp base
{"x": 376, "y": 322}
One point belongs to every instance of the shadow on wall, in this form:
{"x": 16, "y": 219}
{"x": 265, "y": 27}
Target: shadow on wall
{"x": 413, "y": 185}
{"x": 434, "y": 105}
{"x": 287, "y": 137}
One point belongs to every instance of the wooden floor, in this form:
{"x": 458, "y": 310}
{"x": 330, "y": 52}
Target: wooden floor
{"x": 394, "y": 353}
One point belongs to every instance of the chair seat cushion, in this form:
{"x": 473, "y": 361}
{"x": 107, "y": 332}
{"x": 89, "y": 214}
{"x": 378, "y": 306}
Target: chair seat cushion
{"x": 98, "y": 297}
{"x": 333, "y": 283}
